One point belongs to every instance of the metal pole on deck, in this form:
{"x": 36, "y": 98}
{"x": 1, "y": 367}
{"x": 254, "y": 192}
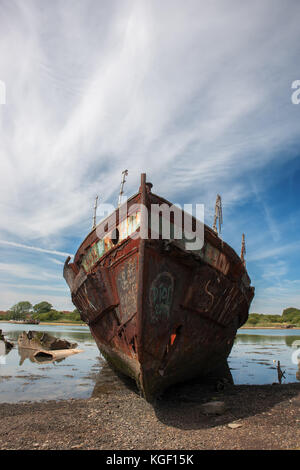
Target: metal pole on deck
{"x": 124, "y": 174}
{"x": 95, "y": 212}
{"x": 218, "y": 215}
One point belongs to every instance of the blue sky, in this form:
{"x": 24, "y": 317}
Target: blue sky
{"x": 197, "y": 94}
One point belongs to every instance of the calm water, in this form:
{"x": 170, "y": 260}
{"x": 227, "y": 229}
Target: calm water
{"x": 253, "y": 353}
{"x": 86, "y": 374}
{"x": 78, "y": 376}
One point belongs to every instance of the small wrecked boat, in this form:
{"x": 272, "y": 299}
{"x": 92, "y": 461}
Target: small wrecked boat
{"x": 42, "y": 347}
{"x": 6, "y": 345}
{"x": 41, "y": 340}
{"x": 32, "y": 321}
{"x": 27, "y": 321}
{"x": 160, "y": 310}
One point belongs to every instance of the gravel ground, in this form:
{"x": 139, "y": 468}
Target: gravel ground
{"x": 268, "y": 418}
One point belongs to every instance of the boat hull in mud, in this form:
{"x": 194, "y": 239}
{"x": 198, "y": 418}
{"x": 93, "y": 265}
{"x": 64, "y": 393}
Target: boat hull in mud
{"x": 159, "y": 313}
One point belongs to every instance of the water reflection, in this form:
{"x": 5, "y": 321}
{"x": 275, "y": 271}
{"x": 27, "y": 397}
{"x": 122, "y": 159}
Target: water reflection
{"x": 298, "y": 372}
{"x": 107, "y": 381}
{"x": 73, "y": 336}
{"x": 23, "y": 377}
{"x": 87, "y": 374}
{"x": 267, "y": 340}
{"x": 2, "y": 352}
{"x": 255, "y": 354}
{"x": 26, "y": 353}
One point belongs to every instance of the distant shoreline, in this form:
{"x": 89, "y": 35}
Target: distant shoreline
{"x": 45, "y": 323}
{"x": 62, "y": 323}
{"x": 268, "y": 328}
{"x": 84, "y": 324}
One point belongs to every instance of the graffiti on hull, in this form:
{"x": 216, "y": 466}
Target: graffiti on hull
{"x": 161, "y": 297}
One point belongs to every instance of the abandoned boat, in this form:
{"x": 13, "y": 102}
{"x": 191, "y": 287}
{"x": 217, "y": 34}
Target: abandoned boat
{"x": 160, "y": 312}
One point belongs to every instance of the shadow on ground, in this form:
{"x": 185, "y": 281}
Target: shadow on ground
{"x": 181, "y": 406}
{"x": 108, "y": 381}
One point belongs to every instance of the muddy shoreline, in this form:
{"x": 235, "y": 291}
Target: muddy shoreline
{"x": 84, "y": 324}
{"x": 268, "y": 418}
{"x": 268, "y": 328}
{"x": 70, "y": 323}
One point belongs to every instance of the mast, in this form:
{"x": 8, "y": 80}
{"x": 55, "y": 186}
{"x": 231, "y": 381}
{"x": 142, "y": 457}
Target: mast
{"x": 218, "y": 215}
{"x": 95, "y": 211}
{"x": 243, "y": 250}
{"x": 124, "y": 174}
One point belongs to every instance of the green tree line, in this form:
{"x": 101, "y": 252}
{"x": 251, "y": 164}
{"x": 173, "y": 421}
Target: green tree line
{"x": 42, "y": 311}
{"x": 290, "y": 316}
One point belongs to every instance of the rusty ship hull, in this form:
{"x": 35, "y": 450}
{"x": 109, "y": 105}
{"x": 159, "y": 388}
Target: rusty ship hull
{"x": 159, "y": 313}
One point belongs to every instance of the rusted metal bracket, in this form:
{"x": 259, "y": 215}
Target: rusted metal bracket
{"x": 101, "y": 314}
{"x": 121, "y": 327}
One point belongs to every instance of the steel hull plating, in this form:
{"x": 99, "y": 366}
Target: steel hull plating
{"x": 159, "y": 314}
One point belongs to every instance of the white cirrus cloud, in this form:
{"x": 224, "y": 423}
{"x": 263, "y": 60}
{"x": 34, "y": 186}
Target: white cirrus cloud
{"x": 197, "y": 94}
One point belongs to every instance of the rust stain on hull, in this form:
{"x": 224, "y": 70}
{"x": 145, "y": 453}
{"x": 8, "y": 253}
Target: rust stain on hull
{"x": 158, "y": 313}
